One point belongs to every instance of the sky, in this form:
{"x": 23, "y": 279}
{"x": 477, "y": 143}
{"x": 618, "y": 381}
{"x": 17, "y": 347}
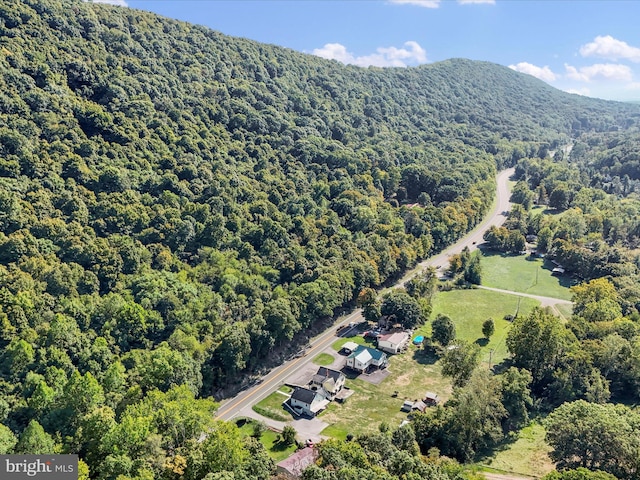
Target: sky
{"x": 588, "y": 47}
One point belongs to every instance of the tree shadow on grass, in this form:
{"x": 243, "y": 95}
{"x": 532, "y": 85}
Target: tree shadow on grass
{"x": 564, "y": 280}
{"x": 279, "y": 446}
{"x": 502, "y": 366}
{"x": 426, "y": 356}
{"x": 482, "y": 341}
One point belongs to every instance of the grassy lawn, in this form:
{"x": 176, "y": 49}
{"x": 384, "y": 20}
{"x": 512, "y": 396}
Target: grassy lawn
{"x": 277, "y": 451}
{"x": 411, "y": 375}
{"x": 414, "y": 373}
{"x": 522, "y": 273}
{"x": 323, "y": 359}
{"x": 359, "y": 339}
{"x": 271, "y": 407}
{"x": 469, "y": 308}
{"x": 527, "y": 454}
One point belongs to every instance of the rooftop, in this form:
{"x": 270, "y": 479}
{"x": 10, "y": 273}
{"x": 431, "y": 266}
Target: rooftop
{"x": 395, "y": 338}
{"x": 375, "y": 353}
{"x": 297, "y": 462}
{"x": 328, "y": 372}
{"x": 303, "y": 395}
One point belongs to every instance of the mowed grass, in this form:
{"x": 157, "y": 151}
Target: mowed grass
{"x": 411, "y": 375}
{"x": 277, "y": 451}
{"x": 468, "y": 309}
{"x": 359, "y": 339}
{"x": 523, "y": 273}
{"x": 527, "y": 454}
{"x": 271, "y": 407}
{"x": 414, "y": 373}
{"x": 323, "y": 359}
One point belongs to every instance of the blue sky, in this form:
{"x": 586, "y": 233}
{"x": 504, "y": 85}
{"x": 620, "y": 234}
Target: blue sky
{"x": 589, "y": 47}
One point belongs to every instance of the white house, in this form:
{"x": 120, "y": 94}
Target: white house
{"x": 393, "y": 342}
{"x": 328, "y": 382}
{"x": 307, "y": 402}
{"x": 365, "y": 357}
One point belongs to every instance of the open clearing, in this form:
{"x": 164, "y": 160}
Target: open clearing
{"x": 523, "y": 273}
{"x": 468, "y": 309}
{"x": 527, "y": 454}
{"x": 277, "y": 451}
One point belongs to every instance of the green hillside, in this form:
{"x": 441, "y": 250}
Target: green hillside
{"x": 176, "y": 205}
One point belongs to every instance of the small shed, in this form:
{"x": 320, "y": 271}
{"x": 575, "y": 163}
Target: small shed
{"x": 407, "y": 406}
{"x": 431, "y": 399}
{"x": 419, "y": 406}
{"x": 349, "y": 347}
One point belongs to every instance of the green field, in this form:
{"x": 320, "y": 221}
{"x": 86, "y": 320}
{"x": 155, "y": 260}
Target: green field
{"x": 468, "y": 309}
{"x": 414, "y": 373}
{"x": 323, "y": 359}
{"x": 271, "y": 407}
{"x": 523, "y": 273}
{"x": 277, "y": 451}
{"x": 527, "y": 454}
{"x": 359, "y": 339}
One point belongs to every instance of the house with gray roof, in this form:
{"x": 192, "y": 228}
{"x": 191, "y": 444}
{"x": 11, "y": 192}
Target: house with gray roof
{"x": 329, "y": 382}
{"x": 307, "y": 402}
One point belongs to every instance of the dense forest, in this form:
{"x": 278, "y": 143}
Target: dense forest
{"x": 178, "y": 206}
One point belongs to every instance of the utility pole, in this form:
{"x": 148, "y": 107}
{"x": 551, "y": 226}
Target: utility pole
{"x": 490, "y": 357}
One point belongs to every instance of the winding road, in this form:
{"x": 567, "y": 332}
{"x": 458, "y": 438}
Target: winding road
{"x": 270, "y": 382}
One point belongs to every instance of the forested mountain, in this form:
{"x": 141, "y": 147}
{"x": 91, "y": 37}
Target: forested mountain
{"x": 176, "y": 204}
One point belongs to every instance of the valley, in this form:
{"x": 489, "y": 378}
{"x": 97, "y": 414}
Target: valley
{"x": 182, "y": 211}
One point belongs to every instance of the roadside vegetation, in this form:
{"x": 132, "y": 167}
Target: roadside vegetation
{"x": 181, "y": 210}
{"x": 272, "y": 407}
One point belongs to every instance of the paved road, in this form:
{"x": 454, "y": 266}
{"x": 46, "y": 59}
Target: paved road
{"x": 233, "y": 407}
{"x": 474, "y": 238}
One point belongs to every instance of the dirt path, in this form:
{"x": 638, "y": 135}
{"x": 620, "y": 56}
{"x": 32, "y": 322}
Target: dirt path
{"x": 544, "y": 301}
{"x": 504, "y": 476}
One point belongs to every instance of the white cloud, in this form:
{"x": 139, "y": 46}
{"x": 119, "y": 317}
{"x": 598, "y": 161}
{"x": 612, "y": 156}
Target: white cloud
{"x": 412, "y": 54}
{"x": 585, "y": 92}
{"x": 543, "y": 73}
{"x": 610, "y": 48}
{"x": 419, "y": 3}
{"x": 121, "y": 3}
{"x": 607, "y": 71}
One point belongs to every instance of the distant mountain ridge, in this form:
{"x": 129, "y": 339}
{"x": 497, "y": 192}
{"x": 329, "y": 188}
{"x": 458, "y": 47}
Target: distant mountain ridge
{"x": 179, "y": 207}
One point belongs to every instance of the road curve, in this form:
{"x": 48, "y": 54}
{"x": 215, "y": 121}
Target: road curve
{"x": 230, "y": 408}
